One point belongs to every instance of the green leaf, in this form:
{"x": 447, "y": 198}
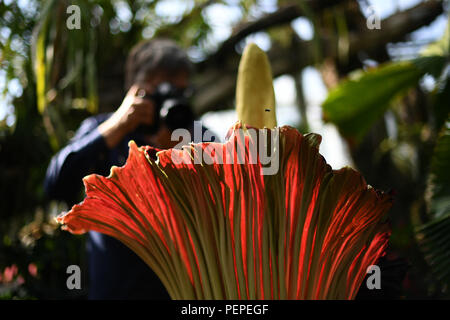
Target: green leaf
{"x": 40, "y": 65}
{"x": 40, "y": 69}
{"x": 356, "y": 104}
{"x": 434, "y": 236}
{"x": 440, "y": 174}
{"x": 440, "y": 47}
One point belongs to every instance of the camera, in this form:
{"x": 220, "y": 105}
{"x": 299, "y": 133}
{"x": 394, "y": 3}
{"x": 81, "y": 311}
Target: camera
{"x": 172, "y": 108}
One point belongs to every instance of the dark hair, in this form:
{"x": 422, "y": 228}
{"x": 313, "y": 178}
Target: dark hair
{"x": 155, "y": 55}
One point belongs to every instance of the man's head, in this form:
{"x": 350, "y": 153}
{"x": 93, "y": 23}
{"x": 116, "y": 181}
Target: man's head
{"x": 155, "y": 61}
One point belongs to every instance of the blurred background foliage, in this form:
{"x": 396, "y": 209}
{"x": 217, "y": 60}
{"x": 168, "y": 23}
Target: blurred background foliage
{"x": 391, "y": 111}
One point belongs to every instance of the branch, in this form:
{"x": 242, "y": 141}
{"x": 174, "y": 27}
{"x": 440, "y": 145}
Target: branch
{"x": 283, "y": 15}
{"x": 395, "y": 27}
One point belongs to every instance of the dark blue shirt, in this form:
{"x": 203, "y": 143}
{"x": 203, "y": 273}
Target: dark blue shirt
{"x": 115, "y": 272}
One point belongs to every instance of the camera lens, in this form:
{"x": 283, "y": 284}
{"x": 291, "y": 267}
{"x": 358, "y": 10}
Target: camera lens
{"x": 177, "y": 113}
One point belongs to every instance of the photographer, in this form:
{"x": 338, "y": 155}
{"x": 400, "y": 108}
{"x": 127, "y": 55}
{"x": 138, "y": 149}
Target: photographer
{"x": 157, "y": 78}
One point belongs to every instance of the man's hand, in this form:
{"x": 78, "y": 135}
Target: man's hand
{"x": 133, "y": 112}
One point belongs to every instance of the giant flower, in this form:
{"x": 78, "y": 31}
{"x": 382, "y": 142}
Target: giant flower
{"x": 211, "y": 225}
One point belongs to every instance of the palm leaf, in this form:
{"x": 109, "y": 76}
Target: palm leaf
{"x": 356, "y": 104}
{"x": 434, "y": 236}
